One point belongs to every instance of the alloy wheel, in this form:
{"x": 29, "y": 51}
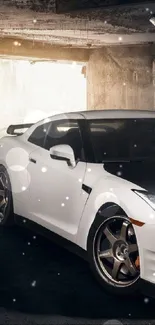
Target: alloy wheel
{"x": 4, "y": 195}
{"x": 116, "y": 251}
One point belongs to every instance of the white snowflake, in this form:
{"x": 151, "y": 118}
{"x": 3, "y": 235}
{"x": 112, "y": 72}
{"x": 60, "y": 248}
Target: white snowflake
{"x": 23, "y": 253}
{"x": 33, "y": 284}
{"x": 34, "y": 237}
{"x": 74, "y": 64}
{"x": 14, "y": 300}
{"x": 44, "y": 169}
{"x": 146, "y": 300}
{"x": 119, "y": 173}
{"x": 15, "y": 43}
{"x": 62, "y": 204}
{"x": 29, "y": 243}
{"x": 17, "y": 159}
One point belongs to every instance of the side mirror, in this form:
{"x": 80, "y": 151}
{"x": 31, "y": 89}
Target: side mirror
{"x": 63, "y": 152}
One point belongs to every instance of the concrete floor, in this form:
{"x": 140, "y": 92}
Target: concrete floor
{"x": 39, "y": 280}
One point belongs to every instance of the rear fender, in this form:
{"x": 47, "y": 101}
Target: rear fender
{"x": 14, "y": 156}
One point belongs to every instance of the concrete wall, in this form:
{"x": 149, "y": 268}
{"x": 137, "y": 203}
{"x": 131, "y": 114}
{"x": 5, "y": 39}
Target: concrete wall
{"x": 121, "y": 78}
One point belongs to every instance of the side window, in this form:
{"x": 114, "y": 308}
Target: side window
{"x": 109, "y": 138}
{"x": 66, "y": 132}
{"x": 39, "y": 134}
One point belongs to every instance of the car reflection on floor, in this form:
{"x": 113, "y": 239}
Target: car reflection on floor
{"x": 39, "y": 277}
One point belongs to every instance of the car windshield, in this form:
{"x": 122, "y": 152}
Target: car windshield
{"x": 123, "y": 139}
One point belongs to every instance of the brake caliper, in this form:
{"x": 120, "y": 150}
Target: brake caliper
{"x": 137, "y": 262}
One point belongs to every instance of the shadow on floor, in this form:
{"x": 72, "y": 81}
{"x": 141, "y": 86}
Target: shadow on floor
{"x": 39, "y": 277}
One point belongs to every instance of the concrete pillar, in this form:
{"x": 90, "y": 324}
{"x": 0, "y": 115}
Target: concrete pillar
{"x": 121, "y": 78}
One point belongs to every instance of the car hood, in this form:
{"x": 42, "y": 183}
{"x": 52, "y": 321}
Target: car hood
{"x": 142, "y": 174}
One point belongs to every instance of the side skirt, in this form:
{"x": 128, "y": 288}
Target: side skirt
{"x": 60, "y": 241}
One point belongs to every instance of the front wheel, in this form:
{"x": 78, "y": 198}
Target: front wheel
{"x": 113, "y": 255}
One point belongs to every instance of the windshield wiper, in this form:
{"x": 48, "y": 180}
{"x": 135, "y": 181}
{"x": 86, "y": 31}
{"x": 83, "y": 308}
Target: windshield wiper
{"x": 115, "y": 161}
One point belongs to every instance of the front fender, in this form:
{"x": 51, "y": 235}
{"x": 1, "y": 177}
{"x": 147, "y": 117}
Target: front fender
{"x": 123, "y": 196}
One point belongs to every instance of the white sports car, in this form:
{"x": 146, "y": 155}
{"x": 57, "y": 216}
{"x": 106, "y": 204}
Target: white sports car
{"x": 88, "y": 177}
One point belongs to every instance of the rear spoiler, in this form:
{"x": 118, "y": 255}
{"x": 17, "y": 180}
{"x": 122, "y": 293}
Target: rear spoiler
{"x": 11, "y": 129}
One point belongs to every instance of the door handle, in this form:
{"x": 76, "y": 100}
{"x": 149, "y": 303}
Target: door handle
{"x": 32, "y": 160}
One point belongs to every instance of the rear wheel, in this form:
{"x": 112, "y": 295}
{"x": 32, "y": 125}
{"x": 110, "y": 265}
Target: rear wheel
{"x": 6, "y": 202}
{"x": 113, "y": 254}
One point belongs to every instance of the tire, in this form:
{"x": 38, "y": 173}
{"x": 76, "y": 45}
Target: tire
{"x": 6, "y": 200}
{"x": 118, "y": 254}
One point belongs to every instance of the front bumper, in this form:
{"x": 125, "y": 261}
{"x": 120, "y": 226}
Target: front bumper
{"x": 146, "y": 245}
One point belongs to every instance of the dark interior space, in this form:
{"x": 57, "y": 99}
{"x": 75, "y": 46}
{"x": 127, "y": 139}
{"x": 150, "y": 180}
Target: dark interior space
{"x": 40, "y": 277}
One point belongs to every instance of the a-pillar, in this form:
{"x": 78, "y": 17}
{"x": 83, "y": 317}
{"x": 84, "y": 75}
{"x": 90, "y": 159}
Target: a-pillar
{"x": 121, "y": 77}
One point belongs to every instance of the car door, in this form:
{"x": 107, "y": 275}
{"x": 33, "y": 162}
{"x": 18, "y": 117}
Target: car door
{"x": 56, "y": 195}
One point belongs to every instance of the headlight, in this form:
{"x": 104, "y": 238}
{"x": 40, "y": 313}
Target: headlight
{"x": 147, "y": 197}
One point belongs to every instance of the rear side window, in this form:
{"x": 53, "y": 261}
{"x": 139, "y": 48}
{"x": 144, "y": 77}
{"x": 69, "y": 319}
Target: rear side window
{"x": 123, "y": 139}
{"x": 38, "y": 136}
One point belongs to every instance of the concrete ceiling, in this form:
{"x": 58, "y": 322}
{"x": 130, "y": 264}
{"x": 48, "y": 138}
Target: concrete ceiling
{"x": 37, "y": 20}
{"x": 70, "y": 5}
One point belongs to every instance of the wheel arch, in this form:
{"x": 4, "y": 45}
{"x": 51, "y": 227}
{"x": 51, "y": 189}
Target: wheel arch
{"x": 108, "y": 209}
{"x": 4, "y": 165}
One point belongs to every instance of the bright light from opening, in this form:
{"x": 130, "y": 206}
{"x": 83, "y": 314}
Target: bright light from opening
{"x": 36, "y": 90}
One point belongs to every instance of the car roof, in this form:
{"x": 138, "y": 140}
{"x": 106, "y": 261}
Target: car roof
{"x": 110, "y": 114}
{"x": 94, "y": 115}
{"x": 106, "y": 113}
